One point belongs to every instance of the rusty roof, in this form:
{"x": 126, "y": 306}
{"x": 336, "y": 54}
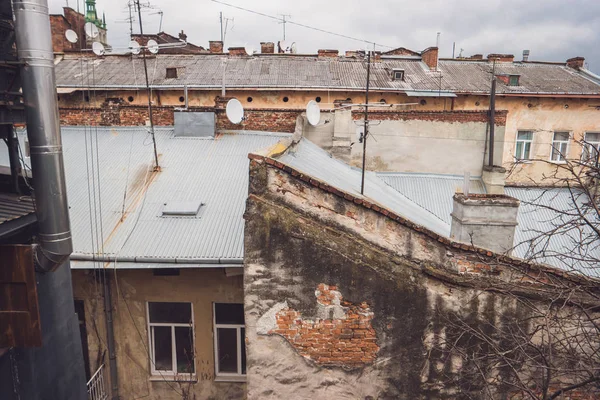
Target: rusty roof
{"x": 300, "y": 72}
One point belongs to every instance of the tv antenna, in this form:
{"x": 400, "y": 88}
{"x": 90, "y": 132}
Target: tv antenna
{"x": 98, "y": 49}
{"x": 159, "y": 12}
{"x": 293, "y": 48}
{"x": 365, "y": 134}
{"x": 71, "y": 36}
{"x": 284, "y": 21}
{"x": 224, "y": 28}
{"x": 91, "y": 30}
{"x": 234, "y": 111}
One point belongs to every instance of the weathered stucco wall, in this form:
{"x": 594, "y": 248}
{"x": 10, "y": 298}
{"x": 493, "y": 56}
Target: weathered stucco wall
{"x": 135, "y": 288}
{"x": 346, "y": 300}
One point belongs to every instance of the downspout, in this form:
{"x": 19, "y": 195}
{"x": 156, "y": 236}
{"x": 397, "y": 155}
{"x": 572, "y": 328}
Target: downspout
{"x": 34, "y": 47}
{"x": 110, "y": 337}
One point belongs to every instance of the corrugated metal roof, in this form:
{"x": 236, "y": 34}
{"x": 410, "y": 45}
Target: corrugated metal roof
{"x": 312, "y": 72}
{"x": 212, "y": 171}
{"x": 316, "y": 162}
{"x": 13, "y": 206}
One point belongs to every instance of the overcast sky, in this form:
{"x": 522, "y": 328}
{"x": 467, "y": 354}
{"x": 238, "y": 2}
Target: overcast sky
{"x": 553, "y": 30}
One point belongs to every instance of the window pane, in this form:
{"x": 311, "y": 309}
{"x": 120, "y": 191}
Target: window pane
{"x": 226, "y": 313}
{"x": 514, "y": 80}
{"x": 170, "y": 312}
{"x": 227, "y": 349}
{"x": 163, "y": 360}
{"x": 243, "y": 349}
{"x": 527, "y": 150}
{"x": 525, "y": 135}
{"x": 562, "y": 136}
{"x": 555, "y": 154}
{"x": 184, "y": 349}
{"x": 519, "y": 152}
{"x": 592, "y": 137}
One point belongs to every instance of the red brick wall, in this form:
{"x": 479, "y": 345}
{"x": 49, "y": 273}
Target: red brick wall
{"x": 430, "y": 57}
{"x": 349, "y": 341}
{"x": 438, "y": 116}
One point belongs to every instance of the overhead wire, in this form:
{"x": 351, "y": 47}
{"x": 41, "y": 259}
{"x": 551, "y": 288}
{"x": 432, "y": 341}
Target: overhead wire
{"x": 301, "y": 25}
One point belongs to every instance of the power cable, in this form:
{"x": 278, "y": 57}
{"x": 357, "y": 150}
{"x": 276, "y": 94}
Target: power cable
{"x": 286, "y": 21}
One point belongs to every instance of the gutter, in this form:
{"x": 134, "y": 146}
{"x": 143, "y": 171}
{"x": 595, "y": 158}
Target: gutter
{"x": 157, "y": 260}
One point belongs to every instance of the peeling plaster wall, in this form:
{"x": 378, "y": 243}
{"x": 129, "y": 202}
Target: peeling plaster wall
{"x": 299, "y": 237}
{"x": 135, "y": 288}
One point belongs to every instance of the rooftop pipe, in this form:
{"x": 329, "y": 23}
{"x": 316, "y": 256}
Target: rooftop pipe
{"x": 34, "y": 47}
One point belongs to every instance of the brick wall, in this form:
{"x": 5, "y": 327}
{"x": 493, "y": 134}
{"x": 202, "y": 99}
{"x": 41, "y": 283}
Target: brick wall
{"x": 348, "y": 340}
{"x": 437, "y": 116}
{"x": 430, "y": 57}
{"x": 58, "y": 27}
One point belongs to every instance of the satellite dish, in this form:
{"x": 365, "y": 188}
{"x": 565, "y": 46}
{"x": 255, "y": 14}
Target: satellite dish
{"x": 152, "y": 46}
{"x": 134, "y": 47}
{"x": 71, "y": 35}
{"x": 313, "y": 113}
{"x": 249, "y": 49}
{"x": 234, "y": 111}
{"x": 293, "y": 48}
{"x": 98, "y": 48}
{"x": 91, "y": 30}
{"x": 283, "y": 46}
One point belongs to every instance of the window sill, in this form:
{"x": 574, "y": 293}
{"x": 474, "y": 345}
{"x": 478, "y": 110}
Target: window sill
{"x": 173, "y": 378}
{"x": 557, "y": 162}
{"x": 232, "y": 378}
{"x": 523, "y": 162}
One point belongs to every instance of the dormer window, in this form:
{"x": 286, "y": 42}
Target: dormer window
{"x": 171, "y": 73}
{"x": 513, "y": 80}
{"x": 398, "y": 74}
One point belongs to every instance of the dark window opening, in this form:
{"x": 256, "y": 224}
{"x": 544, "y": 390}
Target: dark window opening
{"x": 130, "y": 99}
{"x": 285, "y": 99}
{"x": 398, "y": 75}
{"x": 513, "y": 80}
{"x": 80, "y": 310}
{"x": 318, "y": 99}
{"x": 230, "y": 335}
{"x": 249, "y": 99}
{"x": 382, "y": 101}
{"x": 166, "y": 272}
{"x": 181, "y": 99}
{"x": 86, "y": 98}
{"x": 58, "y": 98}
{"x": 423, "y": 102}
{"x": 171, "y": 73}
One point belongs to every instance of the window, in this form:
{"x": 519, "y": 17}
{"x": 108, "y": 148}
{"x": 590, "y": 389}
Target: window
{"x": 398, "y": 74}
{"x": 230, "y": 341}
{"x": 524, "y": 139}
{"x": 560, "y": 144}
{"x": 513, "y": 80}
{"x": 171, "y": 73}
{"x": 591, "y": 147}
{"x": 171, "y": 333}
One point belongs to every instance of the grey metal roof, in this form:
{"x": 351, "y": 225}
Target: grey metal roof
{"x": 306, "y": 72}
{"x": 316, "y": 162}
{"x": 542, "y": 210}
{"x": 13, "y": 206}
{"x": 212, "y": 171}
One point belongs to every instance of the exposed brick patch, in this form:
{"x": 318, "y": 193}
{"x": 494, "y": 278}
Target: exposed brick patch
{"x": 348, "y": 341}
{"x": 435, "y": 116}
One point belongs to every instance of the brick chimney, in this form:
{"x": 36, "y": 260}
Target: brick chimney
{"x": 267, "y": 47}
{"x": 430, "y": 57}
{"x": 237, "y": 51}
{"x": 215, "y": 46}
{"x": 485, "y": 220}
{"x": 182, "y": 36}
{"x": 501, "y": 57}
{"x": 476, "y": 57}
{"x": 327, "y": 53}
{"x": 575, "y": 62}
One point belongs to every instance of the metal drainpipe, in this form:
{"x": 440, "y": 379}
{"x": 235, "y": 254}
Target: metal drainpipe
{"x": 34, "y": 46}
{"x": 110, "y": 336}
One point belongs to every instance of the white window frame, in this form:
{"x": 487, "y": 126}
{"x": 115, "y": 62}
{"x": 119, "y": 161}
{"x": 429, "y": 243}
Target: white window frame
{"x": 560, "y": 142}
{"x": 173, "y": 372}
{"x": 589, "y": 144}
{"x": 227, "y": 376}
{"x": 530, "y": 141}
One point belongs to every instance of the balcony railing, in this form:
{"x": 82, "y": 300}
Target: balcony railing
{"x": 96, "y": 386}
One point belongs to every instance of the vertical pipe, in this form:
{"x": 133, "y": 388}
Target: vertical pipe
{"x": 110, "y": 338}
{"x": 492, "y": 120}
{"x": 185, "y": 89}
{"x": 34, "y": 48}
{"x": 13, "y": 156}
{"x": 221, "y": 20}
{"x": 366, "y": 131}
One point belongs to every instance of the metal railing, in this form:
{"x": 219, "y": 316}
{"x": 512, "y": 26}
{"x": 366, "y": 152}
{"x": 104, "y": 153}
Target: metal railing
{"x": 96, "y": 386}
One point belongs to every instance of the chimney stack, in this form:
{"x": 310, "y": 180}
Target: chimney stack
{"x": 182, "y": 36}
{"x": 327, "y": 53}
{"x": 525, "y": 55}
{"x": 237, "y": 51}
{"x": 267, "y": 47}
{"x": 430, "y": 57}
{"x": 485, "y": 220}
{"x": 501, "y": 57}
{"x": 576, "y": 62}
{"x": 215, "y": 46}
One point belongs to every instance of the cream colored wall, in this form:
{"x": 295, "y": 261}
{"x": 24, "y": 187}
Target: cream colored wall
{"x": 135, "y": 288}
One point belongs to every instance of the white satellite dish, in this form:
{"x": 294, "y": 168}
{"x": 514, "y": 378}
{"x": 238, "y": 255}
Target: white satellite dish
{"x": 152, "y": 46}
{"x": 98, "y": 48}
{"x": 293, "y": 48}
{"x": 71, "y": 35}
{"x": 249, "y": 49}
{"x": 134, "y": 47}
{"x": 283, "y": 46}
{"x": 91, "y": 30}
{"x": 313, "y": 113}
{"x": 234, "y": 111}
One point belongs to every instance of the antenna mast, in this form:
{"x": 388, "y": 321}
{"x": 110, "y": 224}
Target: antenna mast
{"x": 156, "y": 166}
{"x": 366, "y": 129}
{"x": 284, "y": 21}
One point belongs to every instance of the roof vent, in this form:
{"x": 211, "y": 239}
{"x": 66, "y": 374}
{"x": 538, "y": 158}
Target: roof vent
{"x": 181, "y": 209}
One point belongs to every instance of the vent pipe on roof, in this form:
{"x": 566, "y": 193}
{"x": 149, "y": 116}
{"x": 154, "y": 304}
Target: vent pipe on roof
{"x": 525, "y": 55}
{"x": 34, "y": 45}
